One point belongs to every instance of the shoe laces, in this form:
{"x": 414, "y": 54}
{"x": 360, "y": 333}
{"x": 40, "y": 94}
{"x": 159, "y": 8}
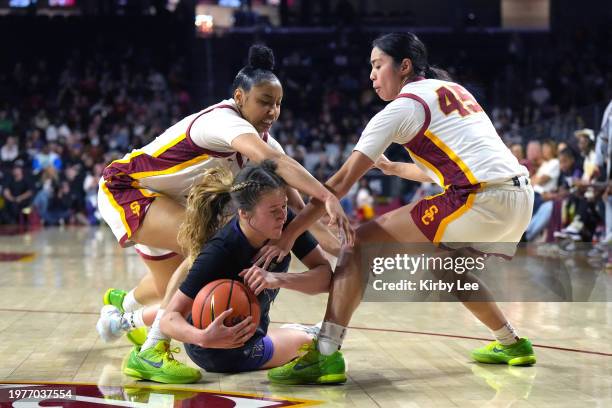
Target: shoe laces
{"x": 306, "y": 347}
{"x": 169, "y": 352}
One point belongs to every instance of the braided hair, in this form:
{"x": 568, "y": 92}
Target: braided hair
{"x": 208, "y": 208}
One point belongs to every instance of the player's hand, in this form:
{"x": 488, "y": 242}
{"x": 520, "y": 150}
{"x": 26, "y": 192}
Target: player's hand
{"x": 338, "y": 218}
{"x": 218, "y": 335}
{"x": 259, "y": 279}
{"x": 275, "y": 250}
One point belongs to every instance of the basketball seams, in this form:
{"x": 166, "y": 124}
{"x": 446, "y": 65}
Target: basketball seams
{"x": 206, "y": 301}
{"x": 244, "y": 298}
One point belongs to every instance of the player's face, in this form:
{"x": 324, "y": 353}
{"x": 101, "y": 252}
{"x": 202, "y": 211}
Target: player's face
{"x": 261, "y": 105}
{"x": 385, "y": 75}
{"x": 270, "y": 214}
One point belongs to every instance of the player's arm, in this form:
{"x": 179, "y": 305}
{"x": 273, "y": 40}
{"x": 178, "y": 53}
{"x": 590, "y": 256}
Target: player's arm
{"x": 216, "y": 335}
{"x": 295, "y": 175}
{"x": 312, "y": 281}
{"x": 340, "y": 184}
{"x": 206, "y": 268}
{"x": 408, "y": 171}
{"x": 328, "y": 241}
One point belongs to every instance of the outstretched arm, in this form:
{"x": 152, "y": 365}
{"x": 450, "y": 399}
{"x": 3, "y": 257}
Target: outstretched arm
{"x": 296, "y": 176}
{"x": 340, "y": 183}
{"x": 328, "y": 241}
{"x": 408, "y": 171}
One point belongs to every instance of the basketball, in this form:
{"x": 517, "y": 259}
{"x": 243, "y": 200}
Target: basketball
{"x": 220, "y": 295}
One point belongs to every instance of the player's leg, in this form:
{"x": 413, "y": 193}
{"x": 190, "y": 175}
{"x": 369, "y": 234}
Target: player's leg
{"x": 153, "y": 360}
{"x": 287, "y": 343}
{"x": 151, "y": 288}
{"x": 348, "y": 285}
{"x": 480, "y": 225}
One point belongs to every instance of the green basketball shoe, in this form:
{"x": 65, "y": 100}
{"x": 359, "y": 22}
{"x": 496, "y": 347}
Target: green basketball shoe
{"x": 519, "y": 353}
{"x": 115, "y": 297}
{"x": 311, "y": 368}
{"x": 158, "y": 364}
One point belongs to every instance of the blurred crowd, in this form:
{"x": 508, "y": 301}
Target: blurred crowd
{"x": 60, "y": 126}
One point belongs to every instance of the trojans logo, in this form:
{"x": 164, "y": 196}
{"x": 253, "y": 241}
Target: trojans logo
{"x": 429, "y": 215}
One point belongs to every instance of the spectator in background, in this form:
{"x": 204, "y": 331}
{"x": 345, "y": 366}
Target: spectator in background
{"x": 570, "y": 172}
{"x": 364, "y": 201}
{"x": 603, "y": 156}
{"x": 519, "y": 153}
{"x": 586, "y": 145}
{"x": 545, "y": 179}
{"x": 534, "y": 156}
{"x": 10, "y": 150}
{"x": 47, "y": 157}
{"x": 18, "y": 193}
{"x": 59, "y": 209}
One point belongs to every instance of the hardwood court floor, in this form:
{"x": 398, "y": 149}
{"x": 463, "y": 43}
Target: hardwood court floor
{"x": 398, "y": 354}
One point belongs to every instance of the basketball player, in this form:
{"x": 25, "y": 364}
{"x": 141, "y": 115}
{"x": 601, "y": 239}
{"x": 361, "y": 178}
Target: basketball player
{"x": 487, "y": 198}
{"x": 259, "y": 196}
{"x": 141, "y": 196}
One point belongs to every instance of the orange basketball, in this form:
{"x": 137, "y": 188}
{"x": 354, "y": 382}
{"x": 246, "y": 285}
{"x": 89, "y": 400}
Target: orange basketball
{"x": 220, "y": 295}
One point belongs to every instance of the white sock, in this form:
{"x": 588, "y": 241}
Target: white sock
{"x": 135, "y": 319}
{"x": 506, "y": 335}
{"x": 155, "y": 334}
{"x": 330, "y": 338}
{"x": 130, "y": 303}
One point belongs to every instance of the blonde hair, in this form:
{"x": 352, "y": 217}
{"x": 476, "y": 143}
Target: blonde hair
{"x": 207, "y": 204}
{"x": 206, "y": 210}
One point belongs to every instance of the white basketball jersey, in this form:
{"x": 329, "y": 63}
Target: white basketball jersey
{"x": 457, "y": 143}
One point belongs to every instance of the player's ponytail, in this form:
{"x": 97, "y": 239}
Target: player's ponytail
{"x": 400, "y": 45}
{"x": 258, "y": 69}
{"x": 433, "y": 72}
{"x": 207, "y": 210}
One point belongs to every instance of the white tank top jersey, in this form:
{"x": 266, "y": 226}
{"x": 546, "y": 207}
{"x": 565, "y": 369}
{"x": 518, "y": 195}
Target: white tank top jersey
{"x": 446, "y": 132}
{"x": 175, "y": 161}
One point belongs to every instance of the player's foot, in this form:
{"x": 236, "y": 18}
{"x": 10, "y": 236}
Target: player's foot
{"x": 115, "y": 297}
{"x": 312, "y": 330}
{"x": 111, "y": 325}
{"x": 158, "y": 364}
{"x": 311, "y": 368}
{"x": 519, "y": 353}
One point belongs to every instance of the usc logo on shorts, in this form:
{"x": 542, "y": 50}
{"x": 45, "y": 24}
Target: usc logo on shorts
{"x": 135, "y": 207}
{"x": 429, "y": 215}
